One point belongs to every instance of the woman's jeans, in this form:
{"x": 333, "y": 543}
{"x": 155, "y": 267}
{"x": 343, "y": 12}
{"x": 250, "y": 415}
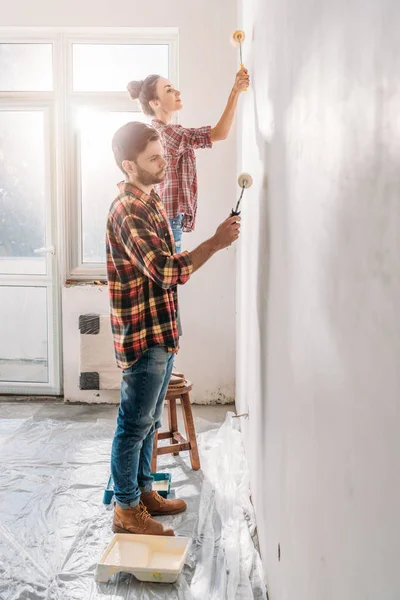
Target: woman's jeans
{"x": 177, "y": 229}
{"x": 143, "y": 389}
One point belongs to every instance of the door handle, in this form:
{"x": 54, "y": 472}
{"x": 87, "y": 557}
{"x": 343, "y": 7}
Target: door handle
{"x": 45, "y": 250}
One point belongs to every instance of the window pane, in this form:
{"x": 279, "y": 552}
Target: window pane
{"x": 110, "y": 67}
{"x": 23, "y": 334}
{"x": 22, "y": 192}
{"x": 99, "y": 175}
{"x": 26, "y": 67}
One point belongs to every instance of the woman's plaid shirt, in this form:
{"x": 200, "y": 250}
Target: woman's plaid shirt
{"x": 143, "y": 273}
{"x": 178, "y": 190}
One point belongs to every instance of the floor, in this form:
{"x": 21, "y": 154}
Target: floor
{"x": 54, "y": 464}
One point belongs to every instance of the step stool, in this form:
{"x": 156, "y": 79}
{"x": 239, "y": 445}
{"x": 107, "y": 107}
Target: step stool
{"x": 179, "y": 390}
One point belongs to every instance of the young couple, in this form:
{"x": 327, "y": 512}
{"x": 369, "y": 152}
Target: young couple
{"x": 145, "y": 264}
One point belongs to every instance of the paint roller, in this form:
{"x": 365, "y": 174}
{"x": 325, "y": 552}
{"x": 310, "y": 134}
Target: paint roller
{"x": 244, "y": 181}
{"x": 237, "y": 39}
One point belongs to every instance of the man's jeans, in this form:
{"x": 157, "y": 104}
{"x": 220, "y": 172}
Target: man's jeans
{"x": 143, "y": 389}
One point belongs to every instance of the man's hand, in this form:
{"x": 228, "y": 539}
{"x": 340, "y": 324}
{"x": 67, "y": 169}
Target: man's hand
{"x": 242, "y": 81}
{"x": 227, "y": 232}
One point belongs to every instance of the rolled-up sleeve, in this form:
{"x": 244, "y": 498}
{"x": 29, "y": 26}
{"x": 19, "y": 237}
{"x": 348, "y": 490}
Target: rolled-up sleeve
{"x": 178, "y": 139}
{"x": 151, "y": 255}
{"x": 198, "y": 138}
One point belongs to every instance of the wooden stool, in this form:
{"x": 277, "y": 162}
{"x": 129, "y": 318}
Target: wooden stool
{"x": 178, "y": 442}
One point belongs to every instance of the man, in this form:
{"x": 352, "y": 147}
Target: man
{"x": 143, "y": 274}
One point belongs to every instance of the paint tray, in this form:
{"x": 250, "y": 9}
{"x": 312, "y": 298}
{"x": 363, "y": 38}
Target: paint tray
{"x": 161, "y": 484}
{"x": 156, "y": 558}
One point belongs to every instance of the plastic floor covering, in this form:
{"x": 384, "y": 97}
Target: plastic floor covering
{"x": 54, "y": 465}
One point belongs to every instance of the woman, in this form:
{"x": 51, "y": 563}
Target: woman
{"x": 178, "y": 191}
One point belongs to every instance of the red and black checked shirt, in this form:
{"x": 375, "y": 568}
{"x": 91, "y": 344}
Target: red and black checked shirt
{"x": 178, "y": 191}
{"x": 143, "y": 273}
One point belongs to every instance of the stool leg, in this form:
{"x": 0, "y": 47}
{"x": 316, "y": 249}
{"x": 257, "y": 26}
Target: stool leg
{"x": 190, "y": 431}
{"x": 154, "y": 457}
{"x": 172, "y": 420}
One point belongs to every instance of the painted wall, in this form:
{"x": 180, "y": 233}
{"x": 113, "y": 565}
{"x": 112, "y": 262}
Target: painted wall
{"x": 319, "y": 294}
{"x": 207, "y": 68}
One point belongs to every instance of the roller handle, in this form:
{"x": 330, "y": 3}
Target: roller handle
{"x": 243, "y": 67}
{"x": 235, "y": 213}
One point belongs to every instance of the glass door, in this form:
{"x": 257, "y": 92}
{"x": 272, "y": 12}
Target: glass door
{"x": 29, "y": 341}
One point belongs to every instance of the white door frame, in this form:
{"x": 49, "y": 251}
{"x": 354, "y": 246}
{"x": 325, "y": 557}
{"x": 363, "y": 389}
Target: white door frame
{"x": 50, "y": 280}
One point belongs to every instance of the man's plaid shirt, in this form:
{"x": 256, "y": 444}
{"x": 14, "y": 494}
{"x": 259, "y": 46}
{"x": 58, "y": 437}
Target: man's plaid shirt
{"x": 143, "y": 273}
{"x": 178, "y": 190}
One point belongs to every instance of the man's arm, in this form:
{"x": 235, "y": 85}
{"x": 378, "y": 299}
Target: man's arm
{"x": 226, "y": 233}
{"x": 151, "y": 255}
{"x": 223, "y": 127}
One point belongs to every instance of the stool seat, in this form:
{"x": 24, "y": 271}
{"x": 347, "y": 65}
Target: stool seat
{"x": 177, "y": 381}
{"x": 178, "y": 390}
{"x": 177, "y": 374}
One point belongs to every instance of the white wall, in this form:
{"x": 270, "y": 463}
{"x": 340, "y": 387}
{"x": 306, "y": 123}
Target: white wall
{"x": 319, "y": 295}
{"x": 207, "y": 68}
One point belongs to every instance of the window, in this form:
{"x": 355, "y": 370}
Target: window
{"x": 98, "y": 175}
{"x": 26, "y": 67}
{"x": 109, "y": 67}
{"x": 22, "y": 191}
{"x": 98, "y": 105}
{"x": 80, "y": 78}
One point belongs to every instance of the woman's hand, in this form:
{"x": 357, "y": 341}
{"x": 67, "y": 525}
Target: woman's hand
{"x": 242, "y": 81}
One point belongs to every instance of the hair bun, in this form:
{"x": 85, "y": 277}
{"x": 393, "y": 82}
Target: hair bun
{"x": 134, "y": 88}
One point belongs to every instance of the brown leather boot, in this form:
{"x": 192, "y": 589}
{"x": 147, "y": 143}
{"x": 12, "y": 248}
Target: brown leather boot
{"x": 157, "y": 505}
{"x": 137, "y": 520}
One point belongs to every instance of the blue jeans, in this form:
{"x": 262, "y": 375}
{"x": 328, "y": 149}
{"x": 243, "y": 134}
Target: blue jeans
{"x": 177, "y": 229}
{"x": 143, "y": 389}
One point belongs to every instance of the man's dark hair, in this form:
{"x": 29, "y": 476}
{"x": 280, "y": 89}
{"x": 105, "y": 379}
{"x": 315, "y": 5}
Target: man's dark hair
{"x": 131, "y": 140}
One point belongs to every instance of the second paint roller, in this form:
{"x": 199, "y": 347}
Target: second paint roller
{"x": 244, "y": 181}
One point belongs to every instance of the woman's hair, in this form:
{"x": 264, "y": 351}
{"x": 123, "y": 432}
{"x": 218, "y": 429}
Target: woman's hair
{"x": 144, "y": 91}
{"x": 131, "y": 140}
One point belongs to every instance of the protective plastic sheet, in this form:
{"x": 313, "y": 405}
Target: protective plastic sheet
{"x": 53, "y": 526}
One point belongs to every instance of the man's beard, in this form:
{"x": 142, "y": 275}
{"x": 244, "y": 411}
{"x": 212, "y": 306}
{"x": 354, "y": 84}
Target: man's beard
{"x": 147, "y": 178}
